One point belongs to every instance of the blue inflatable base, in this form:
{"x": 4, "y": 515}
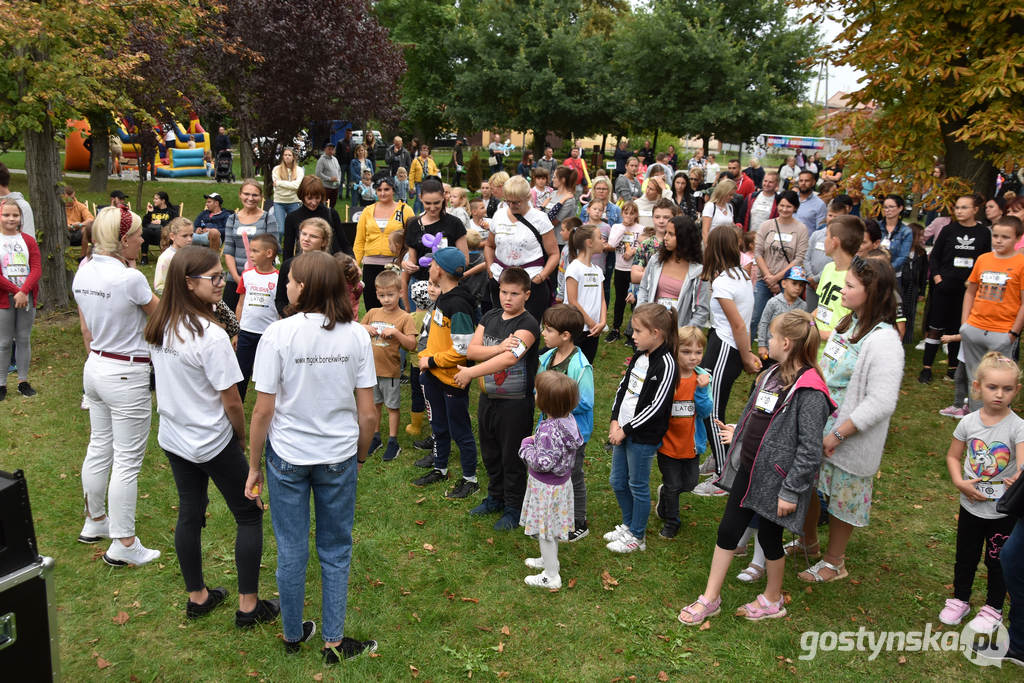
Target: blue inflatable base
{"x": 185, "y": 172}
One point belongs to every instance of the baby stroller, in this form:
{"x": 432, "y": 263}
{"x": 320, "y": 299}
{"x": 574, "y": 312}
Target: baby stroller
{"x": 223, "y": 166}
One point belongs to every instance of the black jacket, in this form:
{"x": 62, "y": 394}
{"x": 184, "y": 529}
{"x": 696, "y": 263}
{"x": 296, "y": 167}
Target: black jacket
{"x": 654, "y": 404}
{"x": 291, "y": 230}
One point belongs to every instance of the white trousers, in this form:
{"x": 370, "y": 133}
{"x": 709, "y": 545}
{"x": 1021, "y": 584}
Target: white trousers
{"x": 120, "y": 413}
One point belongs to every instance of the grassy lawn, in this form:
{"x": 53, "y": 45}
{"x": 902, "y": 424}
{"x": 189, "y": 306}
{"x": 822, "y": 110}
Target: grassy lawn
{"x": 443, "y": 592}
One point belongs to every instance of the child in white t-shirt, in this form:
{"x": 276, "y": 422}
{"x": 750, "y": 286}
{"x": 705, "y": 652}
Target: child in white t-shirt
{"x": 583, "y": 286}
{"x": 256, "y": 308}
{"x": 179, "y": 232}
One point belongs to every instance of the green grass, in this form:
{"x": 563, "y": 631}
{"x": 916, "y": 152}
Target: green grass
{"x": 443, "y": 609}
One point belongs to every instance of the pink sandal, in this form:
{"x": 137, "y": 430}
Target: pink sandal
{"x": 762, "y": 608}
{"x": 696, "y": 612}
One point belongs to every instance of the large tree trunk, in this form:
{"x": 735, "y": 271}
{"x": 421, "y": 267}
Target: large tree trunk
{"x": 100, "y": 136}
{"x": 963, "y": 162}
{"x": 42, "y": 164}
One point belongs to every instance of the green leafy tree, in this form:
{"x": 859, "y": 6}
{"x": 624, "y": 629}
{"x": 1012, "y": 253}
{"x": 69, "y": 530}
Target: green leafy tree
{"x": 731, "y": 69}
{"x": 428, "y": 84}
{"x": 944, "y": 81}
{"x": 530, "y": 66}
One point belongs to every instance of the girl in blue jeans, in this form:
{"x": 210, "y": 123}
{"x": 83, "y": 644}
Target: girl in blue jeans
{"x": 314, "y": 377}
{"x": 640, "y": 414}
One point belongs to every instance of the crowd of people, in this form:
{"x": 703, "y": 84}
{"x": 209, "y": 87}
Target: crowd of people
{"x": 781, "y": 274}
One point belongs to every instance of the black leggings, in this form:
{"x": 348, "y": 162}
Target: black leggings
{"x": 973, "y": 535}
{"x": 622, "y": 282}
{"x": 725, "y": 365}
{"x": 370, "y": 273}
{"x": 228, "y": 471}
{"x": 736, "y": 520}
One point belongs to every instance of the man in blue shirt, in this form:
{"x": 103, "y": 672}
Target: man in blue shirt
{"x": 812, "y": 209}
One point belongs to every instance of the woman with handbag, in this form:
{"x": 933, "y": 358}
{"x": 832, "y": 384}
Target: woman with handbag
{"x": 522, "y": 236}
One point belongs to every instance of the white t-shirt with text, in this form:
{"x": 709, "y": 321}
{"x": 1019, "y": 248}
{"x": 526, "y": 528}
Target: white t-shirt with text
{"x": 732, "y": 284}
{"x": 258, "y": 309}
{"x": 110, "y": 296}
{"x": 588, "y": 287}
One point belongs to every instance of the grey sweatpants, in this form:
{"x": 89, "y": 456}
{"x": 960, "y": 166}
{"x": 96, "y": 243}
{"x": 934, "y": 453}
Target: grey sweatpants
{"x": 16, "y": 326}
{"x": 579, "y": 487}
{"x": 976, "y": 343}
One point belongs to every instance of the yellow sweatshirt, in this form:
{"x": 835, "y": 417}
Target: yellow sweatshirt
{"x": 371, "y": 240}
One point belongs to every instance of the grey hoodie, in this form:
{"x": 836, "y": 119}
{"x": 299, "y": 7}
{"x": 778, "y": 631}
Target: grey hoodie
{"x": 694, "y": 303}
{"x": 28, "y": 220}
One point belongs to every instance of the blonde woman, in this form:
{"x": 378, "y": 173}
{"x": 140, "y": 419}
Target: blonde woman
{"x": 113, "y": 302}
{"x": 240, "y": 226}
{"x": 286, "y": 176}
{"x": 718, "y": 209}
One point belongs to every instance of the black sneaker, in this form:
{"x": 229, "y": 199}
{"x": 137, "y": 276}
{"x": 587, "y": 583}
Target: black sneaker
{"x": 426, "y": 444}
{"x": 612, "y": 336}
{"x": 25, "y": 389}
{"x": 216, "y": 596}
{"x": 3, "y": 391}
{"x": 951, "y": 374}
{"x": 668, "y": 532}
{"x": 375, "y": 444}
{"x": 347, "y": 649}
{"x": 392, "y": 451}
{"x": 926, "y": 376}
{"x": 266, "y": 610}
{"x": 308, "y": 629}
{"x": 432, "y": 477}
{"x": 463, "y": 489}
{"x": 579, "y": 531}
{"x": 427, "y": 461}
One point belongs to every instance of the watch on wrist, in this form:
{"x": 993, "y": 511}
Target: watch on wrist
{"x": 835, "y": 433}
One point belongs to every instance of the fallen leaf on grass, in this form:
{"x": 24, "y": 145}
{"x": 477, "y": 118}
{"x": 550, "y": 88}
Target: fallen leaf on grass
{"x": 490, "y": 541}
{"x": 488, "y": 629}
{"x": 572, "y": 582}
{"x": 608, "y": 581}
{"x": 416, "y": 617}
{"x": 414, "y": 671}
{"x": 135, "y": 604}
{"x": 318, "y": 677}
{"x": 505, "y": 631}
{"x": 93, "y": 641}
{"x": 121, "y": 619}
{"x": 665, "y": 638}
{"x": 420, "y": 500}
{"x": 902, "y": 660}
{"x": 420, "y": 522}
{"x": 253, "y": 674}
{"x": 501, "y": 646}
{"x": 404, "y": 591}
{"x": 449, "y": 595}
{"x": 374, "y": 655}
{"x": 101, "y": 663}
{"x": 786, "y": 597}
{"x": 662, "y": 676}
{"x": 502, "y": 675}
{"x": 475, "y": 601}
{"x": 705, "y": 626}
{"x": 429, "y": 548}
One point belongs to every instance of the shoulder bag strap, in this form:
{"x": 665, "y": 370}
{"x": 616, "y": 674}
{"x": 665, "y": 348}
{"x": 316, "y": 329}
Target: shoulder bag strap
{"x": 536, "y": 233}
{"x": 782, "y": 245}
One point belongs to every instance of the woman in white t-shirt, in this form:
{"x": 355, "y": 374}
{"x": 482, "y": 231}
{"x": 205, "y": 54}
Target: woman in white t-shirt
{"x": 718, "y": 209}
{"x": 314, "y": 413}
{"x": 728, "y": 350}
{"x": 286, "y": 177}
{"x": 202, "y": 429}
{"x": 20, "y": 269}
{"x": 583, "y": 287}
{"x": 513, "y": 243}
{"x": 113, "y": 302}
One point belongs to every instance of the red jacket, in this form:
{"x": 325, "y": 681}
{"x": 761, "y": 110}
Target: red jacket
{"x": 35, "y": 269}
{"x": 745, "y": 186}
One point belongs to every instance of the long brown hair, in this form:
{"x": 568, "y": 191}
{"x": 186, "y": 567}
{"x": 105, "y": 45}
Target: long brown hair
{"x": 798, "y": 327}
{"x": 179, "y": 304}
{"x": 879, "y": 282}
{"x": 722, "y": 254}
{"x": 325, "y": 289}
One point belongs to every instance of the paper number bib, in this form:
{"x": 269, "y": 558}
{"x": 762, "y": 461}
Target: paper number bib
{"x": 835, "y": 349}
{"x": 683, "y": 409}
{"x": 766, "y": 401}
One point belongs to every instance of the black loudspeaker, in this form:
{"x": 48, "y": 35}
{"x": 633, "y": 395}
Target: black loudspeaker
{"x": 17, "y": 533}
{"x": 29, "y": 649}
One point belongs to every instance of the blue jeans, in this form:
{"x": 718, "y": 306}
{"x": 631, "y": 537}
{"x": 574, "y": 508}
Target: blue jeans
{"x": 761, "y": 296}
{"x": 631, "y": 482}
{"x": 334, "y": 496}
{"x": 1012, "y": 559}
{"x": 449, "y": 419}
{"x": 281, "y": 212}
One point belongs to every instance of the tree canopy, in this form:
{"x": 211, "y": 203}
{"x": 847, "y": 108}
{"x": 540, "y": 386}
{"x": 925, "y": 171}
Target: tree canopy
{"x": 947, "y": 78}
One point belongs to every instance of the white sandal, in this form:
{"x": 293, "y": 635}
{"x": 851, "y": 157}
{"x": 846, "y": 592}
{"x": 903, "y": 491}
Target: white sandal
{"x": 751, "y": 574}
{"x": 815, "y": 572}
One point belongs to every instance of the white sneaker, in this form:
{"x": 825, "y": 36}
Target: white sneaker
{"x": 118, "y": 555}
{"x": 535, "y": 562}
{"x": 93, "y": 531}
{"x": 616, "y": 532}
{"x": 708, "y": 489}
{"x": 627, "y": 543}
{"x": 85, "y": 403}
{"x": 542, "y": 581}
{"x": 708, "y": 466}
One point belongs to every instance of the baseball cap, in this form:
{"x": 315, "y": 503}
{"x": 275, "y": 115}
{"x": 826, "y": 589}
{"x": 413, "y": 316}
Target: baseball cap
{"x": 451, "y": 261}
{"x": 796, "y": 274}
{"x": 214, "y": 196}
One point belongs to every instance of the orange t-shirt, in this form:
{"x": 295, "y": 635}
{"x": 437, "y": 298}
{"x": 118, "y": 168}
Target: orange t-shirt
{"x": 678, "y": 440}
{"x": 999, "y": 283}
